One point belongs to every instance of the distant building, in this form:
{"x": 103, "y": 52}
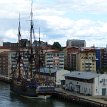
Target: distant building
{"x": 54, "y": 59}
{"x": 101, "y": 58}
{"x": 65, "y": 58}
{"x": 98, "y": 59}
{"x": 10, "y": 45}
{"x": 14, "y": 46}
{"x": 86, "y": 60}
{"x": 75, "y": 43}
{"x": 5, "y": 62}
{"x": 24, "y": 43}
{"x": 87, "y": 83}
{"x": 36, "y": 43}
{"x": 72, "y": 57}
{"x": 104, "y": 58}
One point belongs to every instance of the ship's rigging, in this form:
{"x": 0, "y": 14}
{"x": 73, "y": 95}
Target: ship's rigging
{"x": 26, "y": 78}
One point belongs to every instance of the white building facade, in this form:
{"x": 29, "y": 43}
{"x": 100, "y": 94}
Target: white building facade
{"x": 87, "y": 83}
{"x": 60, "y": 76}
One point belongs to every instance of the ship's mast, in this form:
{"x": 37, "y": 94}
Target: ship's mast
{"x": 31, "y": 25}
{"x": 19, "y": 55}
{"x": 31, "y": 34}
{"x": 39, "y": 51}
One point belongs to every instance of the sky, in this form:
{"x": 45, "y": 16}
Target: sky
{"x": 59, "y": 20}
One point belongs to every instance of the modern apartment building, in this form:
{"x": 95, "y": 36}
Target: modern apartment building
{"x": 86, "y": 60}
{"x": 24, "y": 66}
{"x": 98, "y": 58}
{"x": 71, "y": 58}
{"x": 76, "y": 43}
{"x": 104, "y": 58}
{"x": 65, "y": 57}
{"x": 54, "y": 59}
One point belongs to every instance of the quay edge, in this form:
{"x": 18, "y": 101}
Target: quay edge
{"x": 85, "y": 101}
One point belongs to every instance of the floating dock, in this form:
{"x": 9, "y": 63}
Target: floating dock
{"x": 85, "y": 101}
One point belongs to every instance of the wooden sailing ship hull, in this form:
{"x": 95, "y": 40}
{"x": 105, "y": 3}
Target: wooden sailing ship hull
{"x": 32, "y": 91}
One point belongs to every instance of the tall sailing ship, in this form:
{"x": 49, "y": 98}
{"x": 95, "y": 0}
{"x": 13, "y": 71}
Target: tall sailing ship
{"x": 29, "y": 76}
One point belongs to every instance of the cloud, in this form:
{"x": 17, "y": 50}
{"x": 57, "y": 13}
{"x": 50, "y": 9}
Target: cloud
{"x": 11, "y": 8}
{"x": 76, "y": 29}
{"x": 56, "y": 20}
{"x": 11, "y": 33}
{"x": 82, "y": 5}
{"x": 57, "y": 28}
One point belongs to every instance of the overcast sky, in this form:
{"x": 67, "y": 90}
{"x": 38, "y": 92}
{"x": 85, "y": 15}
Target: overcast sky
{"x": 59, "y": 20}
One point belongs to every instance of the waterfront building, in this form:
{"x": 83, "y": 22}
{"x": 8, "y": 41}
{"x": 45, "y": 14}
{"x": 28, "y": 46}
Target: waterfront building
{"x": 86, "y": 60}
{"x": 76, "y": 43}
{"x": 54, "y": 59}
{"x": 72, "y": 57}
{"x": 46, "y": 72}
{"x": 5, "y": 62}
{"x": 60, "y": 78}
{"x": 104, "y": 58}
{"x": 98, "y": 59}
{"x": 101, "y": 59}
{"x": 65, "y": 57}
{"x": 87, "y": 83}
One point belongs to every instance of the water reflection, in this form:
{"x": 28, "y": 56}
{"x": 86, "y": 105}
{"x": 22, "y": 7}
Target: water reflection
{"x": 25, "y": 102}
{"x": 8, "y": 99}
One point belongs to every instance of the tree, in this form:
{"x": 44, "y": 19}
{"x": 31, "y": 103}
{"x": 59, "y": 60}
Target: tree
{"x": 56, "y": 45}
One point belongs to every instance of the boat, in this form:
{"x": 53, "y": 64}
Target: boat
{"x": 29, "y": 77}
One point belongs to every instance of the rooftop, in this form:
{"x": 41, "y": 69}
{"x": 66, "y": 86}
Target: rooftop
{"x": 82, "y": 75}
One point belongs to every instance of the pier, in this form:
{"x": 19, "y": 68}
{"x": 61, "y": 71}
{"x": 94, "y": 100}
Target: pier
{"x": 86, "y": 101}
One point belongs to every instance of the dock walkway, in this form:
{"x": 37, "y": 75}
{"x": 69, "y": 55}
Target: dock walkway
{"x": 89, "y": 101}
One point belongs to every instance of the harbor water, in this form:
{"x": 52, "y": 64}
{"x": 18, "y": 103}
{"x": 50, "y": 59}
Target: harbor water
{"x": 8, "y": 99}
